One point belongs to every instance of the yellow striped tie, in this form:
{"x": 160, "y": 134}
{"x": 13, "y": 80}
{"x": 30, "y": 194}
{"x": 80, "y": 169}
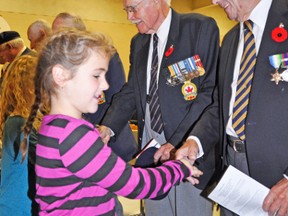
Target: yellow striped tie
{"x": 244, "y": 82}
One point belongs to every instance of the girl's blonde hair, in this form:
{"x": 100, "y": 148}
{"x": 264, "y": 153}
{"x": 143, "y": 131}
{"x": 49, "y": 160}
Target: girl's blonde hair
{"x": 17, "y": 94}
{"x": 69, "y": 48}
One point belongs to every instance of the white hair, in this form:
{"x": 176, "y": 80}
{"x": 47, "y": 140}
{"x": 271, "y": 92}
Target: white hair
{"x": 17, "y": 43}
{"x": 41, "y": 24}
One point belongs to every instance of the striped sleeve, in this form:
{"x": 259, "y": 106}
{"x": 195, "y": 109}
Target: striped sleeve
{"x": 84, "y": 154}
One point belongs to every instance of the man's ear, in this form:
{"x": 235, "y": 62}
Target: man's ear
{"x": 60, "y": 75}
{"x": 42, "y": 34}
{"x": 8, "y": 46}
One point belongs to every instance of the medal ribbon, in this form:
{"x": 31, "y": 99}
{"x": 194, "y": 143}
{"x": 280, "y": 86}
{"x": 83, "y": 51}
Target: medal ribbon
{"x": 185, "y": 66}
{"x": 278, "y": 60}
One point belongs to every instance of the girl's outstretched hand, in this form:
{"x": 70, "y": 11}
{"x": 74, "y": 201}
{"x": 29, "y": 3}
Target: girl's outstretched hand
{"x": 194, "y": 170}
{"x": 105, "y": 133}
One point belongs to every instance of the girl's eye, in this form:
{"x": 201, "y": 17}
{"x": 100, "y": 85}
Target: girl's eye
{"x": 97, "y": 76}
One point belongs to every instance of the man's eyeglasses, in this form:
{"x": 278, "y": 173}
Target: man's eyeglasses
{"x": 132, "y": 9}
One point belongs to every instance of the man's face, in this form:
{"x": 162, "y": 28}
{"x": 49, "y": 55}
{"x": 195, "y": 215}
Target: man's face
{"x": 2, "y": 60}
{"x": 238, "y": 10}
{"x": 7, "y": 54}
{"x": 145, "y": 14}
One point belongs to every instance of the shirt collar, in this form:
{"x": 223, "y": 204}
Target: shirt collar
{"x": 163, "y": 30}
{"x": 260, "y": 13}
{"x": 22, "y": 50}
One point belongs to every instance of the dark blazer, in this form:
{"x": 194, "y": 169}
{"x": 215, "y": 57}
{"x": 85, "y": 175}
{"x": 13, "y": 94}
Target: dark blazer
{"x": 28, "y": 51}
{"x": 267, "y": 120}
{"x": 190, "y": 34}
{"x": 125, "y": 145}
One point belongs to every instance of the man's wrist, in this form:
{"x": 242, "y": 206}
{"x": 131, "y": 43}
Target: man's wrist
{"x": 200, "y": 148}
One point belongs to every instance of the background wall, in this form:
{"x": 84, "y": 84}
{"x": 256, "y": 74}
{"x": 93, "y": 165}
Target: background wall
{"x": 105, "y": 16}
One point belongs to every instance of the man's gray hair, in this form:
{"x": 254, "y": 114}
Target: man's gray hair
{"x": 42, "y": 24}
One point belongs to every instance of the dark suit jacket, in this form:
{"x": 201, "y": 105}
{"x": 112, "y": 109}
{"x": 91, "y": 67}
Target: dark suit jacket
{"x": 190, "y": 34}
{"x": 28, "y": 51}
{"x": 125, "y": 145}
{"x": 267, "y": 120}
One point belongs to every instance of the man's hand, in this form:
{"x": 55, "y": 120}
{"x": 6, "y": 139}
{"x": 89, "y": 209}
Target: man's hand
{"x": 105, "y": 133}
{"x": 164, "y": 153}
{"x": 276, "y": 202}
{"x": 188, "y": 150}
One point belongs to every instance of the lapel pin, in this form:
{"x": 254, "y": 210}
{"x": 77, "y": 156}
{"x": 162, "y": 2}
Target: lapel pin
{"x": 169, "y": 51}
{"x": 279, "y": 34}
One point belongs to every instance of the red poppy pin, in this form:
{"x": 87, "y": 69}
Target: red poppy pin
{"x": 279, "y": 34}
{"x": 169, "y": 51}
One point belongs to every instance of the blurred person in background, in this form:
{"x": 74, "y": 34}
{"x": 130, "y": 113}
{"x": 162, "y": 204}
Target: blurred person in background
{"x": 37, "y": 32}
{"x": 17, "y": 188}
{"x": 11, "y": 47}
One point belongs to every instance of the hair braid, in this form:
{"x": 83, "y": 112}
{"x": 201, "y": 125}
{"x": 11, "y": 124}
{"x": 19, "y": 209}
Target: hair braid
{"x": 31, "y": 118}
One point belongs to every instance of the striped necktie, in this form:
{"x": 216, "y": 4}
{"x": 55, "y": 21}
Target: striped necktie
{"x": 244, "y": 82}
{"x": 154, "y": 105}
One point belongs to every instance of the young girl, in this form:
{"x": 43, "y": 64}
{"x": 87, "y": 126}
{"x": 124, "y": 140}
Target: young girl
{"x": 16, "y": 101}
{"x": 76, "y": 173}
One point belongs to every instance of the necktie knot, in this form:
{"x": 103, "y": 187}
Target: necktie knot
{"x": 248, "y": 24}
{"x": 155, "y": 39}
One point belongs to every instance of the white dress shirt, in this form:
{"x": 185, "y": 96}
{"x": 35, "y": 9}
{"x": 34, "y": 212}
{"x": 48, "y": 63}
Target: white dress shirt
{"x": 258, "y": 17}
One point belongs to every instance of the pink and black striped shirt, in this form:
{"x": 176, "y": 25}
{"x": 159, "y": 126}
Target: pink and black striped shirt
{"x": 78, "y": 175}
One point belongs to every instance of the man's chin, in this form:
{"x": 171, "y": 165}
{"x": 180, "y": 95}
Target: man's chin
{"x": 142, "y": 29}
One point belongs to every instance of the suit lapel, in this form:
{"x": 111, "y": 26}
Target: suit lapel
{"x": 229, "y": 60}
{"x": 166, "y": 61}
{"x": 141, "y": 58}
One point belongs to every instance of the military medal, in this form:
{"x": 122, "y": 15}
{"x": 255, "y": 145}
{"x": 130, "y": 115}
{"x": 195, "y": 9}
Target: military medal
{"x": 189, "y": 90}
{"x": 276, "y": 77}
{"x": 199, "y": 65}
{"x": 185, "y": 70}
{"x": 279, "y": 61}
{"x": 101, "y": 98}
{"x": 284, "y": 75}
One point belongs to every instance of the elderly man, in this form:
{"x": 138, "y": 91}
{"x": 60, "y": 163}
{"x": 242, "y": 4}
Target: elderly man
{"x": 11, "y": 47}
{"x": 68, "y": 20}
{"x": 253, "y": 98}
{"x": 165, "y": 109}
{"x": 37, "y": 32}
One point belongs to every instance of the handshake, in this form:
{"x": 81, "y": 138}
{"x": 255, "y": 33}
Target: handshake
{"x": 154, "y": 154}
{"x": 187, "y": 154}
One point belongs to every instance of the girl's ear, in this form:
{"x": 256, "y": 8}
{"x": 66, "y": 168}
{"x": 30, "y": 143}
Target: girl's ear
{"x": 60, "y": 75}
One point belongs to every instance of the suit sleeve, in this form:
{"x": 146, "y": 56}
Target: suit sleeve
{"x": 124, "y": 103}
{"x": 207, "y": 129}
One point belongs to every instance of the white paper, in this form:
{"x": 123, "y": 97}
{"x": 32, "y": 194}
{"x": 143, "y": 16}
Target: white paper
{"x": 240, "y": 193}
